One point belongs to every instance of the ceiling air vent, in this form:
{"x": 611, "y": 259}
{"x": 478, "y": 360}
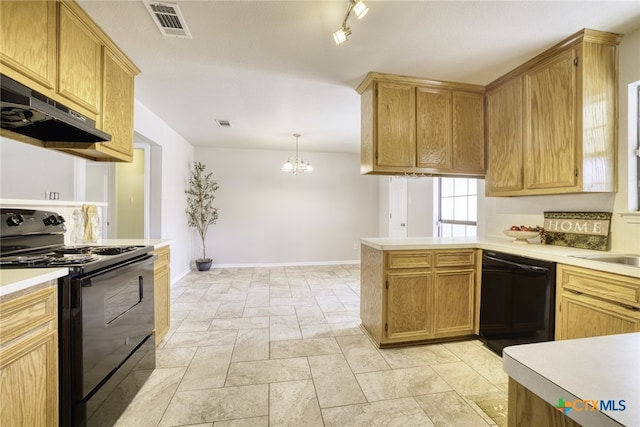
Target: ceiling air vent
{"x": 223, "y": 123}
{"x": 169, "y": 19}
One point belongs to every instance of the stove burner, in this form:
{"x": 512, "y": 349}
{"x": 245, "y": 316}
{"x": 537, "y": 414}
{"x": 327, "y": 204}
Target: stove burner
{"x": 72, "y": 259}
{"x": 113, "y": 250}
{"x": 24, "y": 259}
{"x": 82, "y": 249}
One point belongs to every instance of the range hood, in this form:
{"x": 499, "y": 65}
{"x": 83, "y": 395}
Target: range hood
{"x": 30, "y": 113}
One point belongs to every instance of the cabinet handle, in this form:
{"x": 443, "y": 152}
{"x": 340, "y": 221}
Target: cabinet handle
{"x": 575, "y": 292}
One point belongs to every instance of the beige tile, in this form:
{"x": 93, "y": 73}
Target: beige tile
{"x": 202, "y": 406}
{"x": 294, "y": 404}
{"x": 406, "y": 357}
{"x": 335, "y": 383}
{"x": 205, "y": 338}
{"x": 389, "y": 413}
{"x": 405, "y": 382}
{"x": 208, "y": 306}
{"x": 463, "y": 379}
{"x": 303, "y": 347}
{"x": 196, "y": 321}
{"x": 240, "y": 323}
{"x": 168, "y": 358}
{"x": 330, "y": 304}
{"x": 267, "y": 371}
{"x": 244, "y": 422}
{"x": 310, "y": 315}
{"x": 450, "y": 410}
{"x": 284, "y": 328}
{"x": 257, "y": 299}
{"x": 229, "y": 310}
{"x": 251, "y": 344}
{"x": 361, "y": 355}
{"x": 481, "y": 359}
{"x": 342, "y": 316}
{"x": 143, "y": 408}
{"x": 330, "y": 330}
{"x": 208, "y": 369}
{"x": 269, "y": 311}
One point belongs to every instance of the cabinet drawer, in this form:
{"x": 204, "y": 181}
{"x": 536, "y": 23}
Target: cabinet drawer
{"x": 163, "y": 257}
{"x": 607, "y": 286}
{"x": 25, "y": 314}
{"x": 455, "y": 258}
{"x": 409, "y": 259}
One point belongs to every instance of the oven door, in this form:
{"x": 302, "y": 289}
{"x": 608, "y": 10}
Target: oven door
{"x": 117, "y": 316}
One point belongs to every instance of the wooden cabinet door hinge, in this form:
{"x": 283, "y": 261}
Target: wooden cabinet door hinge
{"x": 386, "y": 284}
{"x": 575, "y": 61}
{"x": 577, "y": 172}
{"x": 386, "y": 327}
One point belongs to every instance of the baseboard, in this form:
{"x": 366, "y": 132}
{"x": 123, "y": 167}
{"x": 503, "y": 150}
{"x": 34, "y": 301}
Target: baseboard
{"x": 286, "y": 264}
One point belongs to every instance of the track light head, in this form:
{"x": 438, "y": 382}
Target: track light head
{"x": 341, "y": 35}
{"x": 359, "y": 8}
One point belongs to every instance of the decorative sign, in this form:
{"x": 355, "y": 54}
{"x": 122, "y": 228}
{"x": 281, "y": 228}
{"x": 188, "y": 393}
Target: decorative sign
{"x": 587, "y": 230}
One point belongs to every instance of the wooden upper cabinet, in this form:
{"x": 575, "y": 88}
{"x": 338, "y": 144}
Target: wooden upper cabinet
{"x": 418, "y": 126}
{"x": 505, "y": 138}
{"x": 434, "y": 143}
{"x": 468, "y": 133}
{"x": 395, "y": 125}
{"x": 550, "y": 94}
{"x": 117, "y": 103}
{"x": 567, "y": 125}
{"x": 28, "y": 42}
{"x": 79, "y": 60}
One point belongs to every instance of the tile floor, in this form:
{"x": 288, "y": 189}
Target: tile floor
{"x": 283, "y": 347}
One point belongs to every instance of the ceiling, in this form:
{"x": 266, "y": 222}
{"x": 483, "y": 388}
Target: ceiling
{"x": 273, "y": 69}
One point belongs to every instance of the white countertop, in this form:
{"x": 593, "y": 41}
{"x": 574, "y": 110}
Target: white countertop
{"x": 156, "y": 243}
{"x": 601, "y": 368}
{"x": 559, "y": 254}
{"x": 13, "y": 280}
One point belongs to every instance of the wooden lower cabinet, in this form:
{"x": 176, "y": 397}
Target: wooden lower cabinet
{"x": 29, "y": 358}
{"x": 418, "y": 295}
{"x": 162, "y": 293}
{"x": 526, "y": 409}
{"x": 591, "y": 303}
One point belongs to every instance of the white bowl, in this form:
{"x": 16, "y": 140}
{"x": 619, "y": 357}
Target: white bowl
{"x": 521, "y": 236}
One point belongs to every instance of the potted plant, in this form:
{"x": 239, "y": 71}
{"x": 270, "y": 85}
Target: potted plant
{"x": 200, "y": 211}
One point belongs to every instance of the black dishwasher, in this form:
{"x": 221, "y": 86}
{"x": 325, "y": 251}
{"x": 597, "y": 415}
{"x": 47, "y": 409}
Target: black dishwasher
{"x": 517, "y": 300}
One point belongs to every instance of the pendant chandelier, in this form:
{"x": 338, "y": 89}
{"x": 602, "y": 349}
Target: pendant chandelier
{"x": 298, "y": 165}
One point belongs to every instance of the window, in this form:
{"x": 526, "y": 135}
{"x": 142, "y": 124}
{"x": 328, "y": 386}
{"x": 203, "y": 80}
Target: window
{"x": 457, "y": 207}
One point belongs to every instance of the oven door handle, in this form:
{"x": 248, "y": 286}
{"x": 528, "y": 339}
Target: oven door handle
{"x": 525, "y": 267}
{"x": 148, "y": 259}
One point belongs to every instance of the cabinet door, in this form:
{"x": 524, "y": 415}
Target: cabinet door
{"x": 504, "y": 138}
{"x": 29, "y": 360}
{"x": 468, "y": 132}
{"x": 550, "y": 102}
{"x": 162, "y": 293}
{"x": 453, "y": 302}
{"x": 407, "y": 296}
{"x": 433, "y": 124}
{"x": 28, "y": 41}
{"x": 79, "y": 58}
{"x": 582, "y": 316}
{"x": 396, "y": 126}
{"x": 117, "y": 104}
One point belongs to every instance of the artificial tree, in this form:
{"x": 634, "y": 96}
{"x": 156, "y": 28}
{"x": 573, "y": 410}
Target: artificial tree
{"x": 200, "y": 211}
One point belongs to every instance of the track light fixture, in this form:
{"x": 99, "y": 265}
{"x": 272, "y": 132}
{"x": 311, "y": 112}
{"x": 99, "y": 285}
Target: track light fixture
{"x": 360, "y": 9}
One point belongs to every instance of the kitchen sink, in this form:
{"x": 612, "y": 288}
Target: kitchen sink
{"x": 633, "y": 260}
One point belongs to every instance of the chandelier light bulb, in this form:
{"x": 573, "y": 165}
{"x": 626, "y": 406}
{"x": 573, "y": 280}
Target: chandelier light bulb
{"x": 298, "y": 165}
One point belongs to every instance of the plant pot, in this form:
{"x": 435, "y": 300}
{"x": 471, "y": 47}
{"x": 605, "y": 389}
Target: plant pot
{"x": 204, "y": 264}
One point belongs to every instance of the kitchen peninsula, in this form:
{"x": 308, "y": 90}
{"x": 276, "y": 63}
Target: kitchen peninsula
{"x": 416, "y": 290}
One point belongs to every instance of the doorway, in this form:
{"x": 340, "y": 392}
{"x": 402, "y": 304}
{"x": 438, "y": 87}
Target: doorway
{"x": 397, "y": 207}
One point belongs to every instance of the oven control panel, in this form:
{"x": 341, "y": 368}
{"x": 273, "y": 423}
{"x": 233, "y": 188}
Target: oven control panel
{"x": 20, "y": 222}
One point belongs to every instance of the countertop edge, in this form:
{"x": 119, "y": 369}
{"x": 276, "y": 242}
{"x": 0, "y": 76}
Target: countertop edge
{"x": 14, "y": 280}
{"x": 558, "y": 254}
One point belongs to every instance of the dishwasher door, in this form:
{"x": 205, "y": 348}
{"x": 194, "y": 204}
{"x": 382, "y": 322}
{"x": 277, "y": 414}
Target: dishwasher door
{"x": 517, "y": 300}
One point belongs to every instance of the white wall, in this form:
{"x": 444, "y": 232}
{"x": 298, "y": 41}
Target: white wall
{"x": 27, "y": 171}
{"x": 176, "y": 157}
{"x": 270, "y": 217}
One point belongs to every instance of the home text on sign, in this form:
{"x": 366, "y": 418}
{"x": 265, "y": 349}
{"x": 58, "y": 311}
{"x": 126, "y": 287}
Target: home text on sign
{"x": 577, "y": 226}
